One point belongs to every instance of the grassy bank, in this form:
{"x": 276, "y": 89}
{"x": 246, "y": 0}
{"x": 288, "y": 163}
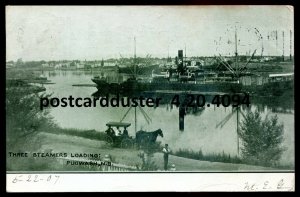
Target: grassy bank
{"x": 198, "y": 155}
{"x": 220, "y": 157}
{"x": 88, "y": 134}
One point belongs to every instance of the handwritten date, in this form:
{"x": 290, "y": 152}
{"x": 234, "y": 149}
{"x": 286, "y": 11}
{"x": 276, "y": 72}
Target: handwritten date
{"x": 36, "y": 178}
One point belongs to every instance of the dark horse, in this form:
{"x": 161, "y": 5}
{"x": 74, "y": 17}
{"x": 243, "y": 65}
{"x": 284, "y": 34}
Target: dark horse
{"x": 144, "y": 138}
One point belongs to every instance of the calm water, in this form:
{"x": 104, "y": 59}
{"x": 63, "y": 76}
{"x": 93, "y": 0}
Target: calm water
{"x": 200, "y": 128}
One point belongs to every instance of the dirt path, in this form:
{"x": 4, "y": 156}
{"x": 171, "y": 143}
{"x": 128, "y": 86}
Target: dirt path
{"x": 72, "y": 144}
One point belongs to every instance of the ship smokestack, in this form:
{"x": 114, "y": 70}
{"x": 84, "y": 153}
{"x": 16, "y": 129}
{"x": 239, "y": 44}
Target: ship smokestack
{"x": 180, "y": 66}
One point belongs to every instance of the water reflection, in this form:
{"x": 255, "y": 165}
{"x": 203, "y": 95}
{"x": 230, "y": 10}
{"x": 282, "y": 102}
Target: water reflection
{"x": 275, "y": 104}
{"x": 200, "y": 129}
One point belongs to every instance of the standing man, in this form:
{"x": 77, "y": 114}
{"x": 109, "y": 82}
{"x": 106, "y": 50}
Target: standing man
{"x": 142, "y": 155}
{"x": 119, "y": 132}
{"x": 166, "y": 152}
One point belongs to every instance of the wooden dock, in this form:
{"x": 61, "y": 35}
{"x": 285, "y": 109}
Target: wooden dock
{"x": 84, "y": 85}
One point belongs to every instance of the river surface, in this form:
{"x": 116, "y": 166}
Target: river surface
{"x": 201, "y": 131}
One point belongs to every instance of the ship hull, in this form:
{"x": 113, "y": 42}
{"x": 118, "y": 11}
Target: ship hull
{"x": 131, "y": 86}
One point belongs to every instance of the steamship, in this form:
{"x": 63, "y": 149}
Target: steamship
{"x": 183, "y": 78}
{"x": 191, "y": 78}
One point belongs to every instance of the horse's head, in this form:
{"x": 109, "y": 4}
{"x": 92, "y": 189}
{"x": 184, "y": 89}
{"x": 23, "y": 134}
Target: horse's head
{"x": 159, "y": 132}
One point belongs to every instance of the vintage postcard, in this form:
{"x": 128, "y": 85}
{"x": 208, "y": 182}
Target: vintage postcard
{"x": 154, "y": 98}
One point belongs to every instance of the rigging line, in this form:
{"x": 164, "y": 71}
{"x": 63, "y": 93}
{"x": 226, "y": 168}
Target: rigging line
{"x": 250, "y": 58}
{"x": 142, "y": 111}
{"x": 125, "y": 114}
{"x": 217, "y": 62}
{"x": 223, "y": 122}
{"x": 146, "y": 115}
{"x": 244, "y": 116}
{"x": 227, "y": 67}
{"x": 227, "y": 63}
{"x": 228, "y": 118}
{"x": 147, "y": 118}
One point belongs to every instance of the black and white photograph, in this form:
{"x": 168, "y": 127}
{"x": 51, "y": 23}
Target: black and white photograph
{"x": 109, "y": 90}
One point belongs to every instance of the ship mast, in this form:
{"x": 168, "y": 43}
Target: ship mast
{"x": 237, "y": 73}
{"x": 134, "y": 61}
{"x": 168, "y": 54}
{"x": 290, "y": 45}
{"x": 236, "y": 54}
{"x": 276, "y": 37}
{"x": 185, "y": 53}
{"x": 283, "y": 46}
{"x": 135, "y": 126}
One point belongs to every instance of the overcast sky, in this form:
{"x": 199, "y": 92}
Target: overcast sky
{"x": 55, "y": 33}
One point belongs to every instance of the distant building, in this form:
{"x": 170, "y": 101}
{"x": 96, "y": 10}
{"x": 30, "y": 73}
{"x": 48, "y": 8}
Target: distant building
{"x": 79, "y": 65}
{"x": 45, "y": 65}
{"x": 281, "y": 77}
{"x": 110, "y": 64}
{"x": 87, "y": 66}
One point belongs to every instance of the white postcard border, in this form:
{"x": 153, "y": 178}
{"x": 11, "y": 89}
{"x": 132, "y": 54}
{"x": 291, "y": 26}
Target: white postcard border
{"x": 108, "y": 182}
